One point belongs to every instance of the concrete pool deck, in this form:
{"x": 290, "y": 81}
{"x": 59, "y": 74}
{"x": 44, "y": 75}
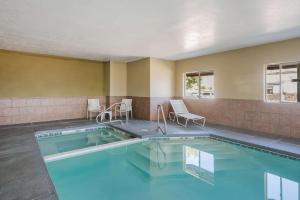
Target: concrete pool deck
{"x": 22, "y": 169}
{"x": 24, "y": 174}
{"x": 142, "y": 128}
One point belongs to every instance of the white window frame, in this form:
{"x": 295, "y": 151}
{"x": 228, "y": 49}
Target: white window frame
{"x": 280, "y": 82}
{"x": 199, "y": 89}
{"x": 281, "y": 188}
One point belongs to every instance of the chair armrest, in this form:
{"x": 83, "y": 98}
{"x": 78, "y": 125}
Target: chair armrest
{"x": 117, "y": 107}
{"x": 102, "y": 108}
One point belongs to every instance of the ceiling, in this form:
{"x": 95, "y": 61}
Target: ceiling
{"x": 126, "y": 30}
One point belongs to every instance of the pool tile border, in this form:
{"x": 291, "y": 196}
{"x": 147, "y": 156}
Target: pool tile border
{"x": 257, "y": 147}
{"x": 68, "y": 131}
{"x": 74, "y": 130}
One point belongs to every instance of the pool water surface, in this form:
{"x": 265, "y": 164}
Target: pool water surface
{"x": 201, "y": 168}
{"x": 68, "y": 140}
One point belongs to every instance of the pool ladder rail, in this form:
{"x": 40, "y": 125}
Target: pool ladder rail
{"x": 159, "y": 128}
{"x": 101, "y": 115}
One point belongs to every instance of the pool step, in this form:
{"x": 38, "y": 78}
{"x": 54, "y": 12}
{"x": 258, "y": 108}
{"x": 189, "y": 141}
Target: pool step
{"x": 226, "y": 157}
{"x": 155, "y": 168}
{"x": 176, "y": 149}
{"x": 163, "y": 168}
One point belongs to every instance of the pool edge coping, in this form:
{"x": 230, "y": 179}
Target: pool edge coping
{"x": 272, "y": 150}
{"x": 275, "y": 151}
{"x": 88, "y": 150}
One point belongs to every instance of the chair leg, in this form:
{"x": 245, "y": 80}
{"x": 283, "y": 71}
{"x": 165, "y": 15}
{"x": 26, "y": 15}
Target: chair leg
{"x": 115, "y": 114}
{"x": 87, "y": 114}
{"x": 202, "y": 124}
{"x": 204, "y": 120}
{"x": 177, "y": 120}
{"x": 181, "y": 124}
{"x": 170, "y": 116}
{"x": 186, "y": 121}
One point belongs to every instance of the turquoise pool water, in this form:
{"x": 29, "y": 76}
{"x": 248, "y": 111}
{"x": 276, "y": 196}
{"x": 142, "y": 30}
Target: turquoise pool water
{"x": 68, "y": 140}
{"x": 202, "y": 169}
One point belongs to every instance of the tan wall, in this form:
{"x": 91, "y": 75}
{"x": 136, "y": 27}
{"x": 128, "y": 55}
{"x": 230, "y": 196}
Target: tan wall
{"x": 106, "y": 79}
{"x": 162, "y": 78}
{"x": 26, "y": 75}
{"x": 118, "y": 78}
{"x": 138, "y": 78}
{"x": 239, "y": 73}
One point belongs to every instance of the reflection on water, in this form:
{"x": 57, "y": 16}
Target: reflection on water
{"x": 199, "y": 164}
{"x": 177, "y": 169}
{"x": 279, "y": 188}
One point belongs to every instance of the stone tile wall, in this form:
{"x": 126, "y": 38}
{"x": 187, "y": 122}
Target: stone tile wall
{"x": 110, "y": 100}
{"x": 37, "y": 109}
{"x": 274, "y": 118}
{"x": 141, "y": 107}
{"x": 279, "y": 119}
{"x": 154, "y": 101}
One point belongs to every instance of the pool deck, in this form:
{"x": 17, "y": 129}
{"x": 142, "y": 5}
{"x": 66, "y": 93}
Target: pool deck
{"x": 24, "y": 174}
{"x": 280, "y": 144}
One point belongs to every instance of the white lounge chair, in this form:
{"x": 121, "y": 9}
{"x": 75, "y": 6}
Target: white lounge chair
{"x": 93, "y": 107}
{"x": 180, "y": 111}
{"x": 122, "y": 109}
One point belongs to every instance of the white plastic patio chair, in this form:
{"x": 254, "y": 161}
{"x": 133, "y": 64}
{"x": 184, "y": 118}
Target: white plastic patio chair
{"x": 122, "y": 109}
{"x": 93, "y": 107}
{"x": 180, "y": 111}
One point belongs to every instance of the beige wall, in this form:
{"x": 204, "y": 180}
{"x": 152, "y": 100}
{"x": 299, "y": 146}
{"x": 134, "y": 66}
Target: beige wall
{"x": 151, "y": 77}
{"x": 162, "y": 78}
{"x": 239, "y": 73}
{"x": 106, "y": 79}
{"x": 150, "y": 82}
{"x": 118, "y": 78}
{"x": 28, "y": 75}
{"x": 138, "y": 78}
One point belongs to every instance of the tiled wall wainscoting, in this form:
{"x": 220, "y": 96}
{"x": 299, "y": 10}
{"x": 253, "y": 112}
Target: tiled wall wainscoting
{"x": 154, "y": 101}
{"x": 141, "y": 107}
{"x": 146, "y": 107}
{"x": 110, "y": 100}
{"x": 274, "y": 118}
{"x": 37, "y": 109}
{"x": 280, "y": 119}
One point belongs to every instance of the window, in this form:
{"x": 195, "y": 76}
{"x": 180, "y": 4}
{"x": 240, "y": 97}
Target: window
{"x": 199, "y": 164}
{"x": 279, "y": 188}
{"x": 282, "y": 83}
{"x": 192, "y": 84}
{"x": 199, "y": 84}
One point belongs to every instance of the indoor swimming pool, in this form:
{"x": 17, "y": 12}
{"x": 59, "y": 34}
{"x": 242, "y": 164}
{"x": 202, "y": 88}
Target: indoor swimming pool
{"x": 177, "y": 168}
{"x": 59, "y": 141}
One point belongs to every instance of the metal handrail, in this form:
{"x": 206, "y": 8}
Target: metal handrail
{"x": 163, "y": 153}
{"x": 164, "y": 131}
{"x": 110, "y": 109}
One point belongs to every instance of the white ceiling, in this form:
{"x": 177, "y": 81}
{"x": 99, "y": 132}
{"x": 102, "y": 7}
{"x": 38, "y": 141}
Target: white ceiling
{"x": 130, "y": 29}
